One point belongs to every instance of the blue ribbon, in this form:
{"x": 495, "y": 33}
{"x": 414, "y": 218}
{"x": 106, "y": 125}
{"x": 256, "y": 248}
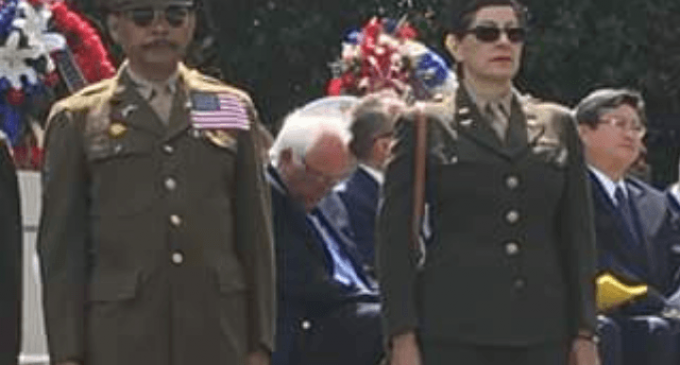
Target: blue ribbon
{"x": 432, "y": 70}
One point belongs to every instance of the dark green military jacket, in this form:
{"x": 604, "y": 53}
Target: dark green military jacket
{"x": 155, "y": 241}
{"x": 511, "y": 260}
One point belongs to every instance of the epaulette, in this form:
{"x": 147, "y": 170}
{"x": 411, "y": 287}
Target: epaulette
{"x": 84, "y": 97}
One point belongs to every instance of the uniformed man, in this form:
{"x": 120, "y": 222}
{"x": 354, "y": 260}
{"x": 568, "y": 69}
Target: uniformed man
{"x": 155, "y": 236}
{"x": 10, "y": 259}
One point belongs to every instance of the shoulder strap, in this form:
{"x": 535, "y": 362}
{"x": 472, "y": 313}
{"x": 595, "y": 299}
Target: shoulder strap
{"x": 419, "y": 155}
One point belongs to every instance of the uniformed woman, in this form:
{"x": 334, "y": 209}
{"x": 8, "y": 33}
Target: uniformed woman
{"x": 506, "y": 275}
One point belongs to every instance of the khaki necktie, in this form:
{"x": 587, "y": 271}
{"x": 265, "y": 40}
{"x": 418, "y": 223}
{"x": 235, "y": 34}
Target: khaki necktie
{"x": 498, "y": 118}
{"x": 161, "y": 102}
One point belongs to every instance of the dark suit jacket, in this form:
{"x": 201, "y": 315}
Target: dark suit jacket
{"x": 512, "y": 259}
{"x": 155, "y": 241}
{"x": 360, "y": 195}
{"x": 307, "y": 292}
{"x": 10, "y": 260}
{"x": 647, "y": 262}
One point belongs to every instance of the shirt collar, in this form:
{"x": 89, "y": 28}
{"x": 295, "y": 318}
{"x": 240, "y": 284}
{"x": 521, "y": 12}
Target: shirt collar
{"x": 146, "y": 87}
{"x": 609, "y": 185}
{"x": 482, "y": 101}
{"x": 376, "y": 174}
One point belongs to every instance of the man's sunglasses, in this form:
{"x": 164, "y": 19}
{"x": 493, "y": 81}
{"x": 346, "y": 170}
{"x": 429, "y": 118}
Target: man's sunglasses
{"x": 175, "y": 15}
{"x": 488, "y": 33}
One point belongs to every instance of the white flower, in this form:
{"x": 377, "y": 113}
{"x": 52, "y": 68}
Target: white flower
{"x": 13, "y": 61}
{"x": 33, "y": 24}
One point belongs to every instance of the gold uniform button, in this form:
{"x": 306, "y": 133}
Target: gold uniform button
{"x": 512, "y": 248}
{"x": 512, "y": 217}
{"x": 520, "y": 284}
{"x": 512, "y": 182}
{"x": 177, "y": 258}
{"x": 175, "y": 220}
{"x": 168, "y": 149}
{"x": 170, "y": 184}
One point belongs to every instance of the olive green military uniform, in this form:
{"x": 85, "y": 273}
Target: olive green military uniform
{"x": 155, "y": 238}
{"x": 511, "y": 261}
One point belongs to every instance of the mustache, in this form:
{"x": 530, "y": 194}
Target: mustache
{"x": 162, "y": 43}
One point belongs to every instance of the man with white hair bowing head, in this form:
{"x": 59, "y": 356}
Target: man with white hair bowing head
{"x": 328, "y": 307}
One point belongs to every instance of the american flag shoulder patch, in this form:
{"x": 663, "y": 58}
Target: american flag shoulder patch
{"x": 218, "y": 111}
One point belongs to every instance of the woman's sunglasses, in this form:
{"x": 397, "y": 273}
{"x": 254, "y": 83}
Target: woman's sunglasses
{"x": 488, "y": 33}
{"x": 175, "y": 15}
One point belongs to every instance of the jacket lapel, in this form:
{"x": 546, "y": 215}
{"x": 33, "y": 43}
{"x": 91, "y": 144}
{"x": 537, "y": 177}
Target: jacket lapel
{"x": 180, "y": 118}
{"x": 517, "y": 139}
{"x": 129, "y": 108}
{"x": 650, "y": 219}
{"x": 470, "y": 122}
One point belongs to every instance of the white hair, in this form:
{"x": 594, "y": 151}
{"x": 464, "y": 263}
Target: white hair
{"x": 301, "y": 129}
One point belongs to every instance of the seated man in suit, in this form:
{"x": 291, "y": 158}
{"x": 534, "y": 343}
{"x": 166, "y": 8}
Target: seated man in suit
{"x": 635, "y": 230}
{"x": 10, "y": 259}
{"x": 328, "y": 306}
{"x": 371, "y": 126}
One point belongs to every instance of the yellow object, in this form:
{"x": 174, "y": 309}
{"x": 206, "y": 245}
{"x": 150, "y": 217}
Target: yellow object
{"x": 612, "y": 293}
{"x": 117, "y": 130}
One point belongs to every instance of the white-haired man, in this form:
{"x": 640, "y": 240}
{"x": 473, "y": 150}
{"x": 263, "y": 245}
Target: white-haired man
{"x": 328, "y": 307}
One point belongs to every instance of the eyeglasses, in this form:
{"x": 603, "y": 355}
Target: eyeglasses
{"x": 175, "y": 15}
{"x": 322, "y": 177}
{"x": 490, "y": 33}
{"x": 625, "y": 125}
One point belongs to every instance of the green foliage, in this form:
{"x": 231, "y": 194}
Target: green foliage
{"x": 279, "y": 51}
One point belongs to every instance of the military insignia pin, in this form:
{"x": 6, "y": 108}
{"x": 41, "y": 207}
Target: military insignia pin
{"x": 117, "y": 130}
{"x": 219, "y": 137}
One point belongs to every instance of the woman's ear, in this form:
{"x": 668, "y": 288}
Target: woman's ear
{"x": 113, "y": 25}
{"x": 452, "y": 44}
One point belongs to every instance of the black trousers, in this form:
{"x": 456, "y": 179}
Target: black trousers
{"x": 456, "y": 353}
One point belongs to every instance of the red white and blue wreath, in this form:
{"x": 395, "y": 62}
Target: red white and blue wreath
{"x": 385, "y": 54}
{"x": 43, "y": 45}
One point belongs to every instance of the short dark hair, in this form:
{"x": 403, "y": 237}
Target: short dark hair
{"x": 592, "y": 107}
{"x": 371, "y": 118}
{"x": 457, "y": 16}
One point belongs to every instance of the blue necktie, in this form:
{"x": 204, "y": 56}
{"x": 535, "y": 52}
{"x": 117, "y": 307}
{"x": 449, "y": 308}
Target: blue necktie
{"x": 623, "y": 206}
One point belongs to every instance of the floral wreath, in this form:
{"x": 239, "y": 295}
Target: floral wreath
{"x": 384, "y": 54}
{"x": 42, "y": 43}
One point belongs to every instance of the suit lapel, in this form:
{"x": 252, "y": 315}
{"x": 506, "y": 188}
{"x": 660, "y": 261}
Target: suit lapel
{"x": 129, "y": 108}
{"x": 650, "y": 220}
{"x": 618, "y": 242}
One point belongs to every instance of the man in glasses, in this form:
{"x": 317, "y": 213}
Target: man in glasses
{"x": 508, "y": 269}
{"x": 10, "y": 259}
{"x": 155, "y": 238}
{"x": 328, "y": 306}
{"x": 637, "y": 233}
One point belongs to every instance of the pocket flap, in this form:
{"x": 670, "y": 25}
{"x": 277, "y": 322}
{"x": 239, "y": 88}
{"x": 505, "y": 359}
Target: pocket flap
{"x": 113, "y": 287}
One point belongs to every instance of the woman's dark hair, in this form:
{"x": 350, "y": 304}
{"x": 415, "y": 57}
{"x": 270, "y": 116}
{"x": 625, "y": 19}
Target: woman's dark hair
{"x": 457, "y": 16}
